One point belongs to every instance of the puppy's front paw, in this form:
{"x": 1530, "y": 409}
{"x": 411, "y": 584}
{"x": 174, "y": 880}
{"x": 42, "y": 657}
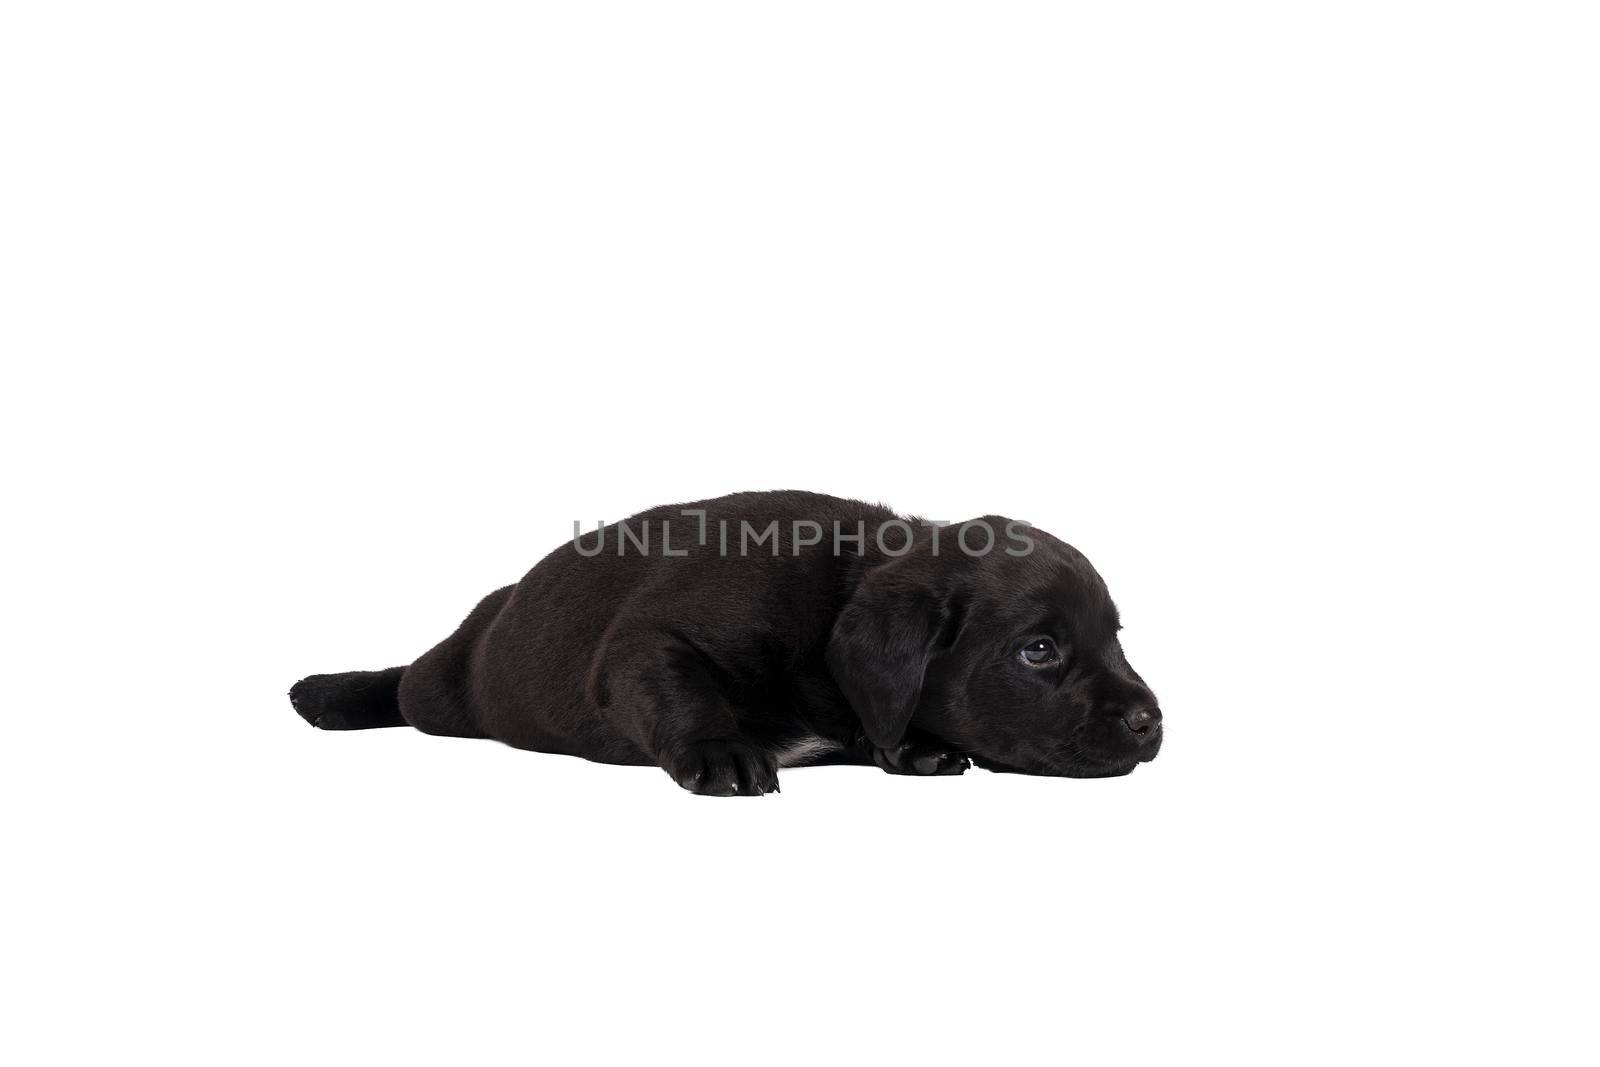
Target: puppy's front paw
{"x": 920, "y": 757}
{"x": 723, "y": 769}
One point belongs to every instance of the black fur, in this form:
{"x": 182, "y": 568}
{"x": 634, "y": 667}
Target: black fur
{"x": 714, "y": 665}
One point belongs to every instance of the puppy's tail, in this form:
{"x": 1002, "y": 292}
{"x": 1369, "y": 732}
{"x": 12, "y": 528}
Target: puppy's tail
{"x": 357, "y": 700}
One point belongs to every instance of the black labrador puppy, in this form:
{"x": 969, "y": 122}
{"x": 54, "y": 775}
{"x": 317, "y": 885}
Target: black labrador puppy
{"x": 724, "y": 639}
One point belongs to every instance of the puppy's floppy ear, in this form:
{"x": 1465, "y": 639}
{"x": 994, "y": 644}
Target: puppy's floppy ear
{"x": 882, "y": 643}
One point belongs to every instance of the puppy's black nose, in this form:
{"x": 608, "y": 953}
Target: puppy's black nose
{"x": 1143, "y": 721}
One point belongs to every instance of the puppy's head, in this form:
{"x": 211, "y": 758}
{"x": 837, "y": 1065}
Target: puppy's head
{"x": 1012, "y": 657}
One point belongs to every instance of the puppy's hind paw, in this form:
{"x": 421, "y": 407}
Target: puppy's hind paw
{"x": 920, "y": 758}
{"x": 723, "y": 769}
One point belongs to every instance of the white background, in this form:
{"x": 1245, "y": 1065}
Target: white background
{"x": 321, "y": 320}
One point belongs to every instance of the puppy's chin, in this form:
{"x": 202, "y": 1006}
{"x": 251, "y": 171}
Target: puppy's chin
{"x": 1076, "y": 769}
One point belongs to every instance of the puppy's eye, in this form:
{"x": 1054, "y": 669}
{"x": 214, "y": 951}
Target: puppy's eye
{"x": 1040, "y": 653}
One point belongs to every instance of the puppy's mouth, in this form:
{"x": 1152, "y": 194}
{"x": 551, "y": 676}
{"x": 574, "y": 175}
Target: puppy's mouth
{"x": 1076, "y": 762}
